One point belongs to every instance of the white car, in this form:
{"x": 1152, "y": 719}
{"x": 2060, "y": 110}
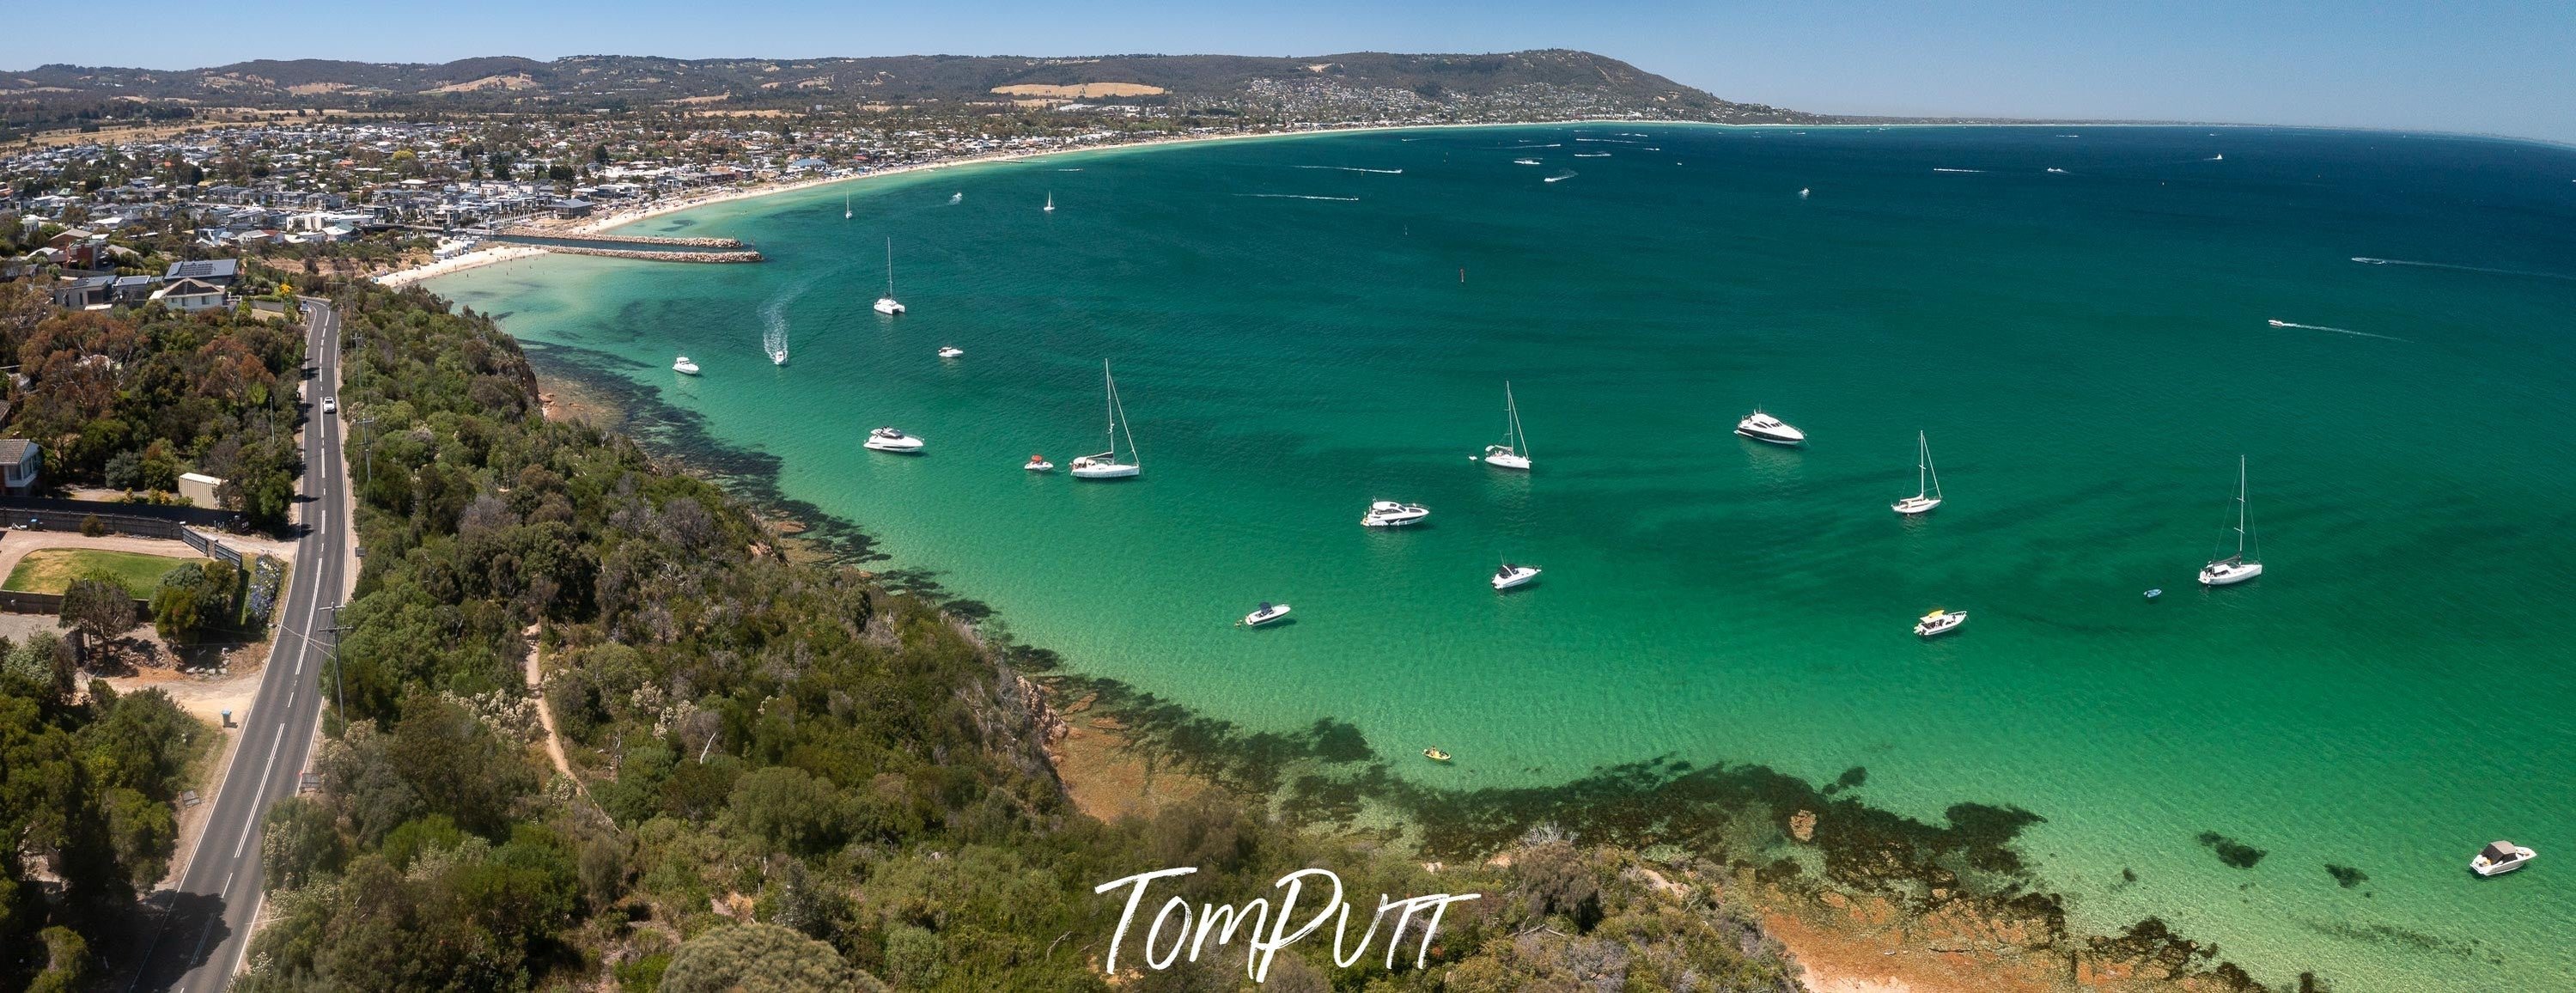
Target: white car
{"x": 330, "y": 405}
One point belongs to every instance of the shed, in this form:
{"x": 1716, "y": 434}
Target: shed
{"x": 199, "y": 488}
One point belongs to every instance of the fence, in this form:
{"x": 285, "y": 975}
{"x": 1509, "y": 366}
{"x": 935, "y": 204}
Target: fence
{"x": 17, "y": 510}
{"x": 51, "y": 604}
{"x": 212, "y": 548}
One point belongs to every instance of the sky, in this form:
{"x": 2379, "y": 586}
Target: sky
{"x": 2486, "y": 66}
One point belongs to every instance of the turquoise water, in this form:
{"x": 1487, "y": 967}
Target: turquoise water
{"x": 2088, "y": 351}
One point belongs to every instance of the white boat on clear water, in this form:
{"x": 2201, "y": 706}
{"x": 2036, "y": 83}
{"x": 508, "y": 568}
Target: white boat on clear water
{"x": 950, "y": 351}
{"x": 1514, "y": 451}
{"x": 887, "y": 304}
{"x": 1926, "y": 480}
{"x": 1764, "y": 427}
{"x": 1510, "y": 575}
{"x": 1940, "y": 622}
{"x": 845, "y": 206}
{"x": 1527, "y": 162}
{"x": 2501, "y": 857}
{"x": 1392, "y": 514}
{"x": 1050, "y": 207}
{"x": 2239, "y": 567}
{"x": 1107, "y": 465}
{"x": 1802, "y": 192}
{"x": 685, "y": 367}
{"x": 957, "y": 197}
{"x": 1038, "y": 463}
{"x": 891, "y": 440}
{"x": 1264, "y": 614}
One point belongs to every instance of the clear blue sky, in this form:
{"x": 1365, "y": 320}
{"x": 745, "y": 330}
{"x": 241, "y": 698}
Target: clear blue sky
{"x": 2498, "y": 66}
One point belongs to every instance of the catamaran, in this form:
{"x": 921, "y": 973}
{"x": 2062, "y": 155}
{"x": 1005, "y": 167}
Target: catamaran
{"x": 2235, "y": 568}
{"x": 1106, "y": 464}
{"x": 1926, "y": 480}
{"x": 887, "y": 304}
{"x": 1050, "y": 207}
{"x": 1513, "y": 453}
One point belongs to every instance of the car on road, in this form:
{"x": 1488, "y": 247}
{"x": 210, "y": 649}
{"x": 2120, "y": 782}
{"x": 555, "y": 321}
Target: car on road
{"x": 330, "y": 405}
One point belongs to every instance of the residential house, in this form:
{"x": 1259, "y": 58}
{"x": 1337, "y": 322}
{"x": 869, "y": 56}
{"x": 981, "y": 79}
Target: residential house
{"x": 132, "y": 289}
{"x": 214, "y": 272}
{"x": 20, "y": 461}
{"x": 84, "y": 292}
{"x": 190, "y": 295}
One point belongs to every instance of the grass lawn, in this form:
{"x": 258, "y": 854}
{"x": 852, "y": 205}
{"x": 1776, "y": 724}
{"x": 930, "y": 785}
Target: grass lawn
{"x": 51, "y": 570}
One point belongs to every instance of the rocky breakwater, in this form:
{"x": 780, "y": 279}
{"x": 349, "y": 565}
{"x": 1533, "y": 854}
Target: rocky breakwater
{"x": 646, "y": 239}
{"x": 657, "y": 255}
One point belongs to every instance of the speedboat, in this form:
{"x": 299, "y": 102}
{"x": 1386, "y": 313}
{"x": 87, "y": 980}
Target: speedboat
{"x": 1764, "y": 427}
{"x": 2500, "y": 857}
{"x": 685, "y": 367}
{"x": 1038, "y": 463}
{"x": 891, "y": 440}
{"x": 1390, "y": 514}
{"x": 2278, "y": 323}
{"x": 888, "y": 306}
{"x": 1513, "y": 575}
{"x": 1940, "y": 622}
{"x": 1435, "y": 755}
{"x": 950, "y": 351}
{"x": 1267, "y": 613}
{"x": 1525, "y": 162}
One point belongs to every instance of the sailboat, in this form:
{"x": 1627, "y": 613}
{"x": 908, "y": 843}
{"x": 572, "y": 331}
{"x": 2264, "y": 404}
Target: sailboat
{"x": 887, "y": 304}
{"x": 1513, "y": 453}
{"x": 2235, "y": 568}
{"x": 1927, "y": 481}
{"x": 1106, "y": 464}
{"x": 845, "y": 206}
{"x": 1050, "y": 207}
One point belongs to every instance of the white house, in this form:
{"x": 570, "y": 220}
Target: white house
{"x": 188, "y": 295}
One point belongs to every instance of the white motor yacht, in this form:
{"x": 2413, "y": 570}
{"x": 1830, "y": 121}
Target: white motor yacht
{"x": 2501, "y": 857}
{"x": 1927, "y": 482}
{"x": 685, "y": 367}
{"x": 2235, "y": 568}
{"x": 1764, "y": 427}
{"x": 1038, "y": 463}
{"x": 1106, "y": 464}
{"x": 891, "y": 440}
{"x": 1267, "y": 613}
{"x": 1513, "y": 575}
{"x": 1391, "y": 514}
{"x": 950, "y": 351}
{"x": 1940, "y": 622}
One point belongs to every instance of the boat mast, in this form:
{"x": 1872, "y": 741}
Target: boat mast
{"x": 1512, "y": 413}
{"x": 2240, "y": 507}
{"x": 1922, "y": 465}
{"x": 889, "y": 268}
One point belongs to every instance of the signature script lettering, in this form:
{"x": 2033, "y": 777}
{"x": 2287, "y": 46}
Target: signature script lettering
{"x": 1223, "y": 920}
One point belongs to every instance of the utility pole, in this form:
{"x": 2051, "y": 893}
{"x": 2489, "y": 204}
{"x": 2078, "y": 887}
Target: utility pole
{"x": 339, "y": 690}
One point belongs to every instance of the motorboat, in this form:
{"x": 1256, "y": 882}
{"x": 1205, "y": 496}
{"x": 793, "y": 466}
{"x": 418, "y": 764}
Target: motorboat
{"x": 1390, "y": 514}
{"x": 887, "y": 304}
{"x": 685, "y": 367}
{"x": 891, "y": 440}
{"x": 1926, "y": 481}
{"x": 2239, "y": 567}
{"x": 1526, "y": 162}
{"x": 1513, "y": 575}
{"x": 2278, "y": 323}
{"x": 1764, "y": 427}
{"x": 957, "y": 197}
{"x": 1106, "y": 465}
{"x": 1267, "y": 613}
{"x": 1940, "y": 622}
{"x": 950, "y": 351}
{"x": 1038, "y": 463}
{"x": 2154, "y": 593}
{"x": 1513, "y": 452}
{"x": 1435, "y": 755}
{"x": 2500, "y": 857}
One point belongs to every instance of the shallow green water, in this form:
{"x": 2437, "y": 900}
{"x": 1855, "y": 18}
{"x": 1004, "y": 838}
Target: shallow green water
{"x": 2088, "y": 350}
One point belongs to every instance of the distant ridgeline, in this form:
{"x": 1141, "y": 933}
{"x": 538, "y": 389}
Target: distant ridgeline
{"x": 1546, "y": 84}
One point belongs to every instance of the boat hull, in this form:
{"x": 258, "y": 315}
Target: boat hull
{"x": 2222, "y": 574}
{"x": 1257, "y": 618}
{"x": 1040, "y": 467}
{"x": 1515, "y": 580}
{"x": 1951, "y": 623}
{"x": 1911, "y": 506}
{"x": 898, "y": 448}
{"x": 888, "y": 307}
{"x": 1107, "y": 471}
{"x": 1505, "y": 460}
{"x": 1774, "y": 438}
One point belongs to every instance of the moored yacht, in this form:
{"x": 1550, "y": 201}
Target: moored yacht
{"x": 887, "y": 304}
{"x": 685, "y": 367}
{"x": 1391, "y": 514}
{"x": 1514, "y": 451}
{"x": 2500, "y": 857}
{"x": 1927, "y": 482}
{"x": 1513, "y": 575}
{"x": 1764, "y": 427}
{"x": 1940, "y": 622}
{"x": 2235, "y": 568}
{"x": 891, "y": 440}
{"x": 1106, "y": 464}
{"x": 1265, "y": 614}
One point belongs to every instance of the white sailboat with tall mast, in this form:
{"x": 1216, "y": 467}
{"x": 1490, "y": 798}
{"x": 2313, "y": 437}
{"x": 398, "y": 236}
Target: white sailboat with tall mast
{"x": 2236, "y": 568}
{"x": 845, "y": 206}
{"x": 1514, "y": 452}
{"x": 1050, "y": 207}
{"x": 1926, "y": 480}
{"x": 887, "y": 304}
{"x": 1107, "y": 465}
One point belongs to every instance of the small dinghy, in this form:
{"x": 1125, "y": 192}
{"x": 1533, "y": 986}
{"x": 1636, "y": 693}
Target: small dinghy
{"x": 1435, "y": 755}
{"x": 2501, "y": 857}
{"x": 1513, "y": 575}
{"x": 1038, "y": 463}
{"x": 1265, "y": 614}
{"x": 1940, "y": 622}
{"x": 2154, "y": 593}
{"x": 685, "y": 367}
{"x": 950, "y": 351}
{"x": 891, "y": 440}
{"x": 1390, "y": 514}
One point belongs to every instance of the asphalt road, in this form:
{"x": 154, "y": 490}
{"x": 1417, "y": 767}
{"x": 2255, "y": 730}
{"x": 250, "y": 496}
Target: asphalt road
{"x": 205, "y": 931}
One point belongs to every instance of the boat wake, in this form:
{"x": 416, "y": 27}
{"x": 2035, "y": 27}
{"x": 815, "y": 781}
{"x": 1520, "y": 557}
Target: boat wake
{"x": 1591, "y": 155}
{"x": 1383, "y": 172}
{"x": 1296, "y": 196}
{"x": 1562, "y": 177}
{"x": 1507, "y": 148}
{"x": 2367, "y": 260}
{"x": 773, "y": 320}
{"x": 1943, "y": 169}
{"x": 2057, "y": 170}
{"x": 2320, "y": 327}
{"x": 1613, "y": 141}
